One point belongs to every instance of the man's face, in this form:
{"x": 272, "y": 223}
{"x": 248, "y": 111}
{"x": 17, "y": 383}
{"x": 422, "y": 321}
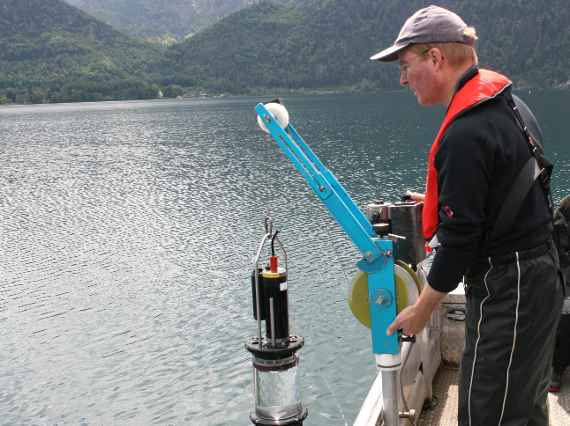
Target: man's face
{"x": 417, "y": 72}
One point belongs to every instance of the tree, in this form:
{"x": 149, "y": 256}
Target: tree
{"x": 172, "y": 91}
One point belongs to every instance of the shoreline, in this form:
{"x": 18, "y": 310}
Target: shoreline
{"x": 277, "y": 92}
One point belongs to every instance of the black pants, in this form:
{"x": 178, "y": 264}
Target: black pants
{"x": 561, "y": 357}
{"x": 513, "y": 308}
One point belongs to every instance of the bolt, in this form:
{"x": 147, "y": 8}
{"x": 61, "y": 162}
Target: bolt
{"x": 383, "y": 298}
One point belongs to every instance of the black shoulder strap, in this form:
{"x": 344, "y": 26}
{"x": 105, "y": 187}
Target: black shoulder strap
{"x": 537, "y": 167}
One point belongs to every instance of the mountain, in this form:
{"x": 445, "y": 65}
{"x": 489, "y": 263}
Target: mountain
{"x": 326, "y": 43}
{"x": 157, "y": 18}
{"x": 247, "y": 52}
{"x": 50, "y": 51}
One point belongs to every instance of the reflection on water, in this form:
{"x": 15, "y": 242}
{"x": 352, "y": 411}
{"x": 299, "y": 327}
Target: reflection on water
{"x": 126, "y": 236}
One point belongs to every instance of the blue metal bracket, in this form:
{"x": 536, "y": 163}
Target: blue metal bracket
{"x": 382, "y": 299}
{"x": 378, "y": 258}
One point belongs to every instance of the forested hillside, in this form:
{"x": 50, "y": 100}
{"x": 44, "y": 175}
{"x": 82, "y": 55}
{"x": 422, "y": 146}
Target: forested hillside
{"x": 247, "y": 52}
{"x": 50, "y": 51}
{"x": 326, "y": 43}
{"x": 159, "y": 18}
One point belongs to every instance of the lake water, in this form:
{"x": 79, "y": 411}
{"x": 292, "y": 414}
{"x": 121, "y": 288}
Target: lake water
{"x": 127, "y": 231}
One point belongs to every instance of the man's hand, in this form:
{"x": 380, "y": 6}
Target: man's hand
{"x": 413, "y": 318}
{"x": 415, "y": 196}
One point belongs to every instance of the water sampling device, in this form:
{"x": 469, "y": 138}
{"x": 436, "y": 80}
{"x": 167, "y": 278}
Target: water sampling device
{"x": 389, "y": 238}
{"x": 275, "y": 358}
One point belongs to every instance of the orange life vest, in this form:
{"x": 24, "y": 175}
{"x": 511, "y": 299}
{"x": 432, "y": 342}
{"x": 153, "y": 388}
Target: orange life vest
{"x": 483, "y": 86}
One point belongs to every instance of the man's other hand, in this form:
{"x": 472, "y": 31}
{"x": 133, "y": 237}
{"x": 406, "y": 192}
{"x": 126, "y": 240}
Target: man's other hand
{"x": 415, "y": 196}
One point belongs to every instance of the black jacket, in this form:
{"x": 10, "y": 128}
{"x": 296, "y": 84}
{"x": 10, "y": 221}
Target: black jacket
{"x": 478, "y": 159}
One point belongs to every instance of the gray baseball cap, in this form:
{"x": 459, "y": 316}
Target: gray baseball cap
{"x": 432, "y": 24}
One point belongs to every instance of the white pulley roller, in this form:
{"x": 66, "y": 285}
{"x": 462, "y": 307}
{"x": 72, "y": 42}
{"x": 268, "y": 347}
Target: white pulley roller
{"x": 279, "y": 112}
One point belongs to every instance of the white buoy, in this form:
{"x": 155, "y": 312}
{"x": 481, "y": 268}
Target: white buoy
{"x": 279, "y": 112}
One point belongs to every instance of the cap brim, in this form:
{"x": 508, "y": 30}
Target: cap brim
{"x": 388, "y": 55}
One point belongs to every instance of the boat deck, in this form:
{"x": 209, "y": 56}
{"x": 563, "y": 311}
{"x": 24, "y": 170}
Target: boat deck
{"x": 445, "y": 412}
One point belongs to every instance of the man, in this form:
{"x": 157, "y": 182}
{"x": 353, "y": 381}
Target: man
{"x": 513, "y": 289}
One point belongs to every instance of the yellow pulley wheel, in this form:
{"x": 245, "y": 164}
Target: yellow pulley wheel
{"x": 407, "y": 292}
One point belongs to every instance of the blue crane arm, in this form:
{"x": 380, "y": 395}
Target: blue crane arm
{"x": 378, "y": 259}
{"x": 325, "y": 185}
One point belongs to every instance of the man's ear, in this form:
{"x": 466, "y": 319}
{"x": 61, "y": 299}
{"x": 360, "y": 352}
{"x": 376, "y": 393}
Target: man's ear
{"x": 435, "y": 55}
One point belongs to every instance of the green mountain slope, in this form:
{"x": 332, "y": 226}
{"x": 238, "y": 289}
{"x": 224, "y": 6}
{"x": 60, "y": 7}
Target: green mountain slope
{"x": 148, "y": 18}
{"x": 326, "y": 43}
{"x": 239, "y": 52}
{"x": 50, "y": 51}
